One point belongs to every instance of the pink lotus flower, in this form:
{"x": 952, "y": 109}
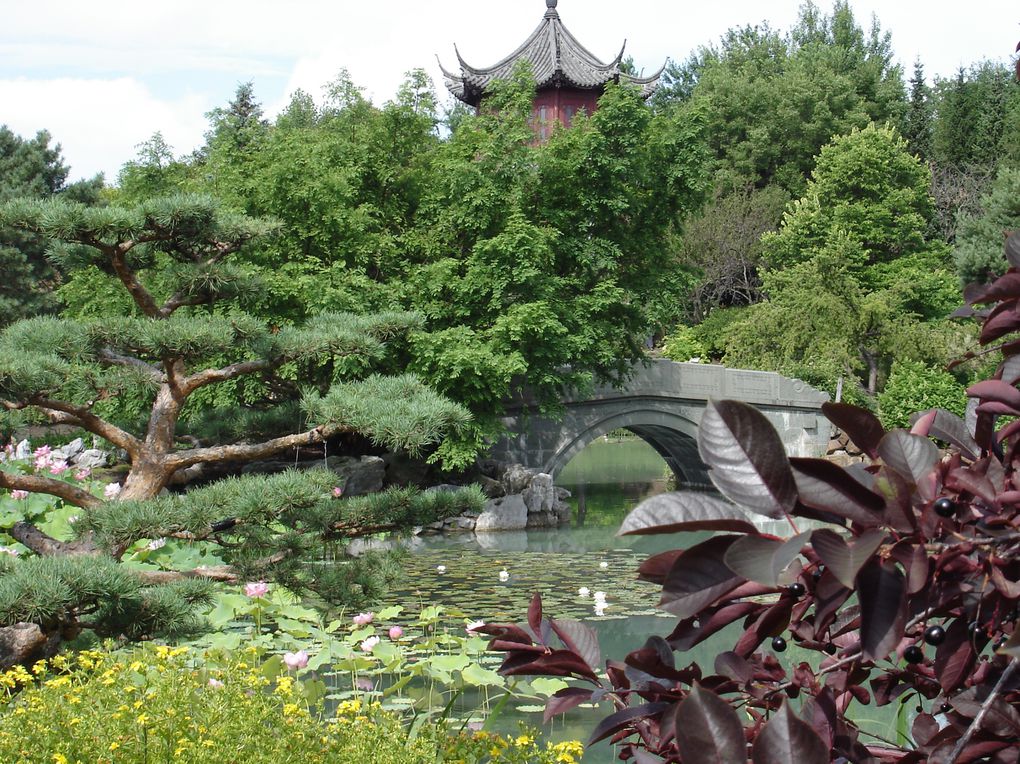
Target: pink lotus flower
{"x": 58, "y": 468}
{"x": 256, "y": 589}
{"x": 295, "y": 661}
{"x": 215, "y": 683}
{"x": 369, "y": 644}
{"x": 42, "y": 462}
{"x": 396, "y": 632}
{"x": 363, "y": 619}
{"x": 82, "y": 474}
{"x": 42, "y": 451}
{"x": 364, "y": 684}
{"x": 18, "y": 494}
{"x": 338, "y": 491}
{"x": 112, "y": 490}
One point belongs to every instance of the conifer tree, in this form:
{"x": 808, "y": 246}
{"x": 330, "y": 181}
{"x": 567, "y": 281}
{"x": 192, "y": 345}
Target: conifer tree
{"x": 172, "y": 256}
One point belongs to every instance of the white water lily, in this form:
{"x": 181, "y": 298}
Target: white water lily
{"x": 584, "y": 591}
{"x": 600, "y": 597}
{"x": 440, "y": 569}
{"x": 600, "y": 608}
{"x": 603, "y": 565}
{"x": 504, "y": 576}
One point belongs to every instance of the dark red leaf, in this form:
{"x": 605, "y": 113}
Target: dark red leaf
{"x": 820, "y": 712}
{"x": 860, "y": 425}
{"x": 912, "y": 456}
{"x": 685, "y": 511}
{"x": 785, "y": 739}
{"x": 1001, "y": 719}
{"x": 997, "y": 409}
{"x": 948, "y": 427}
{"x": 698, "y": 577}
{"x": 968, "y": 479}
{"x": 505, "y": 631}
{"x": 844, "y": 560}
{"x": 827, "y": 486}
{"x": 748, "y": 462}
{"x": 580, "y": 638}
{"x": 535, "y": 613}
{"x": 1004, "y": 318}
{"x": 763, "y": 559}
{"x": 882, "y": 592}
{"x": 555, "y": 663}
{"x": 1005, "y": 287}
{"x": 771, "y": 623}
{"x": 708, "y": 730}
{"x": 624, "y": 718}
{"x": 656, "y": 567}
{"x": 955, "y": 657}
{"x": 564, "y": 700}
{"x": 686, "y": 634}
{"x": 734, "y": 667}
{"x": 914, "y": 560}
{"x": 995, "y": 390}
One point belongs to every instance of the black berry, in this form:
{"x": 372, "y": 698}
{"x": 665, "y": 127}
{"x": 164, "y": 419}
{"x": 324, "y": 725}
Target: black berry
{"x": 913, "y": 654}
{"x": 944, "y": 507}
{"x": 792, "y": 692}
{"x": 778, "y": 644}
{"x": 934, "y": 635}
{"x": 796, "y": 589}
{"x": 830, "y": 649}
{"x": 816, "y": 573}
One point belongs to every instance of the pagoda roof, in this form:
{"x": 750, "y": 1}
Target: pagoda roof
{"x": 556, "y": 58}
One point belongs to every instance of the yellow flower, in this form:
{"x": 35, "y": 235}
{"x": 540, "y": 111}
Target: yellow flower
{"x": 142, "y": 719}
{"x": 114, "y": 745}
{"x": 524, "y": 740}
{"x": 59, "y": 758}
{"x": 39, "y": 668}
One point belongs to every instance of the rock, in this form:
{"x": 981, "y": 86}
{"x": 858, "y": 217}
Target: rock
{"x": 540, "y": 495}
{"x": 23, "y": 450}
{"x": 563, "y": 512}
{"x": 844, "y": 460}
{"x": 516, "y": 479}
{"x": 506, "y": 514}
{"x": 490, "y": 487}
{"x": 363, "y": 475}
{"x": 562, "y": 493}
{"x": 547, "y": 519}
{"x": 91, "y": 459}
{"x": 69, "y": 451}
{"x": 444, "y": 487}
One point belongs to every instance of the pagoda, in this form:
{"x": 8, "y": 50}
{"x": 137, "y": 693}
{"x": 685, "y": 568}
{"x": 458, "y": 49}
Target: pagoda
{"x": 568, "y": 77}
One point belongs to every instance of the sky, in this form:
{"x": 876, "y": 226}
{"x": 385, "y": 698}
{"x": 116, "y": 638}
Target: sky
{"x": 103, "y": 76}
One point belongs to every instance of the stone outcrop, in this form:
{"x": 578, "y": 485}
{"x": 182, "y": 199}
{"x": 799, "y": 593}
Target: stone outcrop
{"x": 842, "y": 450}
{"x": 519, "y": 498}
{"x": 357, "y": 475}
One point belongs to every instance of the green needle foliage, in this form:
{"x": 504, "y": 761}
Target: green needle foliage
{"x": 134, "y": 377}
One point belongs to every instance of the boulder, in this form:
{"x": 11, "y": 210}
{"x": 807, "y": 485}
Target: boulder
{"x": 91, "y": 458}
{"x": 516, "y": 479}
{"x": 540, "y": 495}
{"x": 23, "y": 450}
{"x": 360, "y": 475}
{"x": 69, "y": 451}
{"x": 506, "y": 514}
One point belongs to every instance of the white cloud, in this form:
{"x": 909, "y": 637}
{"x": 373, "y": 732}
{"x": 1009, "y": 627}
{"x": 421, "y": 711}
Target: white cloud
{"x": 100, "y": 122}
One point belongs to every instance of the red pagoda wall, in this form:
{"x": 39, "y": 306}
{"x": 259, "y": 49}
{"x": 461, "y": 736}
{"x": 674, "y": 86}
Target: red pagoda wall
{"x": 560, "y": 105}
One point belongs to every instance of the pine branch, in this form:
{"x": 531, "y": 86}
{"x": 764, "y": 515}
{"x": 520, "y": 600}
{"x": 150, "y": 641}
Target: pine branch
{"x": 212, "y": 376}
{"x": 224, "y": 573}
{"x": 44, "y": 544}
{"x": 142, "y": 297}
{"x": 71, "y": 494}
{"x": 117, "y": 359}
{"x": 250, "y": 452}
{"x": 180, "y": 300}
{"x": 89, "y": 421}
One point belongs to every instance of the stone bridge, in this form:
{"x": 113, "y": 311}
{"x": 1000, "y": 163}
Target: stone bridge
{"x": 662, "y": 403}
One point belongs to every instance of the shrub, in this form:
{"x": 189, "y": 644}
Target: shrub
{"x": 158, "y": 704}
{"x": 682, "y": 345}
{"x": 913, "y": 387}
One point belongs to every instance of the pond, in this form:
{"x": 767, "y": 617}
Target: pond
{"x": 606, "y": 480}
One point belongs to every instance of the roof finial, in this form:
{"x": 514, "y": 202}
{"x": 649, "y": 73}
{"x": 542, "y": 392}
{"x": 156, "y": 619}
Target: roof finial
{"x": 550, "y": 3}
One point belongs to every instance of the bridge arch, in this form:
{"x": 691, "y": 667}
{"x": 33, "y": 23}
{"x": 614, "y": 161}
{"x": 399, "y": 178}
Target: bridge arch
{"x": 673, "y": 436}
{"x": 662, "y": 402}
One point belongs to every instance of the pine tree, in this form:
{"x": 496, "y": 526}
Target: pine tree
{"x": 917, "y": 126}
{"x": 172, "y": 256}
